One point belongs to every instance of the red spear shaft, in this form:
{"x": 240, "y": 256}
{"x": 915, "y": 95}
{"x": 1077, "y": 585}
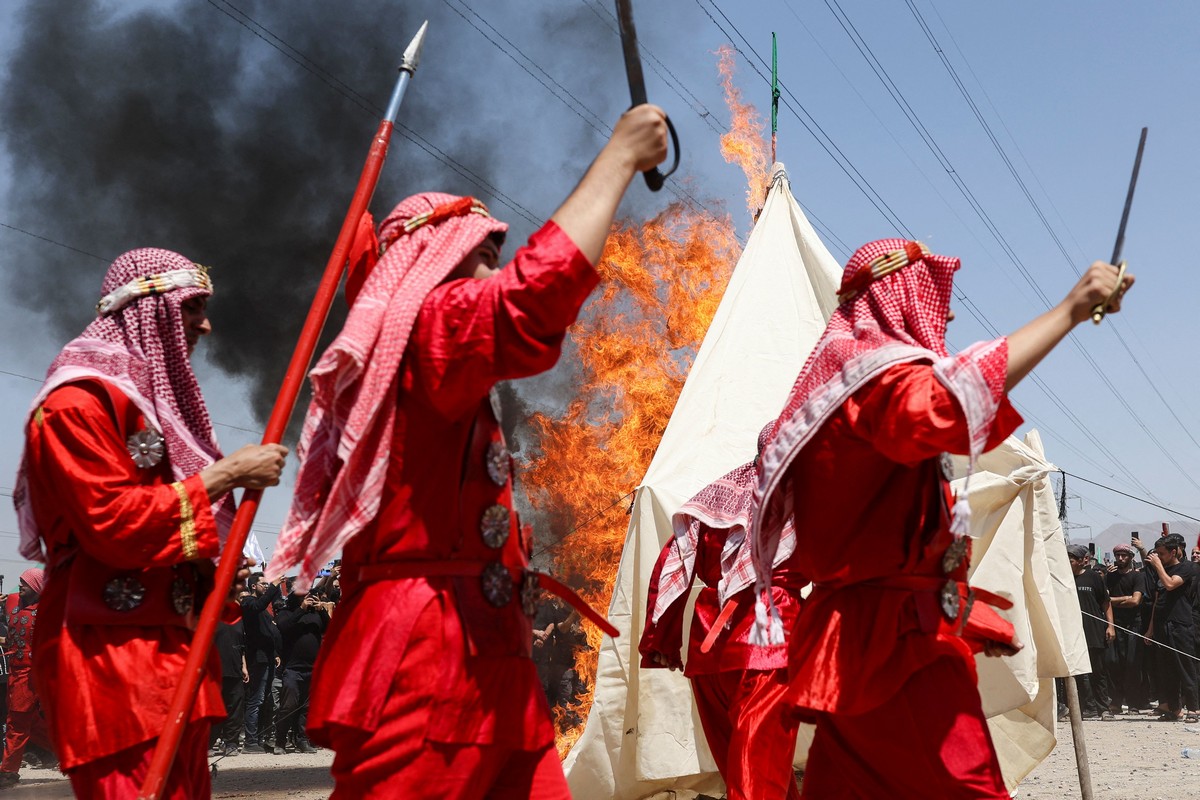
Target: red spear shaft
{"x": 193, "y": 672}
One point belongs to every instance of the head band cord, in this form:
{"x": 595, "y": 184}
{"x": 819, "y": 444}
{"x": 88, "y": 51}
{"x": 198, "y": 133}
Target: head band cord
{"x": 159, "y": 283}
{"x": 883, "y": 265}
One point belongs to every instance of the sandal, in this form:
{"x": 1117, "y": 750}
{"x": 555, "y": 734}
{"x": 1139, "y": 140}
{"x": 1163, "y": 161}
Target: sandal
{"x": 1191, "y": 719}
{"x": 1169, "y": 716}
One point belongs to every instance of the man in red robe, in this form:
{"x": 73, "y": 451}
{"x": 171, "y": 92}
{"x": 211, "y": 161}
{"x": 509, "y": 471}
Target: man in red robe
{"x": 739, "y": 686}
{"x": 25, "y": 723}
{"x": 881, "y": 655}
{"x": 425, "y": 686}
{"x": 124, "y": 493}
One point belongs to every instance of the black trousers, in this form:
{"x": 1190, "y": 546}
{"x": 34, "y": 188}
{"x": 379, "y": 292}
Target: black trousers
{"x": 1123, "y": 661}
{"x": 1176, "y": 676}
{"x": 1093, "y": 688}
{"x": 233, "y": 692}
{"x": 293, "y": 706}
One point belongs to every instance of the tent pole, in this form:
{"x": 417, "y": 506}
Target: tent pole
{"x": 1081, "y": 759}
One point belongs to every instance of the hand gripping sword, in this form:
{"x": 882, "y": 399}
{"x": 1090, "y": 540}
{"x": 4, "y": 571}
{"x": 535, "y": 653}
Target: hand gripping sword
{"x": 1100, "y": 309}
{"x": 637, "y": 87}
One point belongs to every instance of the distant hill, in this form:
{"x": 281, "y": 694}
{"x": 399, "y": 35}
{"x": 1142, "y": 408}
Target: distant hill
{"x": 1147, "y": 531}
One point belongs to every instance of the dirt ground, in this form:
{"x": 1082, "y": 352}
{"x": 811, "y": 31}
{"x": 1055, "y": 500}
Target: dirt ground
{"x": 1130, "y": 757}
{"x": 294, "y": 776}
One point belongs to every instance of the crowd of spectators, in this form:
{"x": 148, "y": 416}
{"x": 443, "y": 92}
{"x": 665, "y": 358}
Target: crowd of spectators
{"x": 267, "y": 662}
{"x": 1141, "y": 617}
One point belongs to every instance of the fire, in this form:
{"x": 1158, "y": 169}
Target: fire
{"x": 744, "y": 144}
{"x": 633, "y": 346}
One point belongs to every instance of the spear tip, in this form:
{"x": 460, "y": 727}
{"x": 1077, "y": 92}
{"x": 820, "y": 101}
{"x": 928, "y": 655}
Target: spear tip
{"x": 412, "y": 54}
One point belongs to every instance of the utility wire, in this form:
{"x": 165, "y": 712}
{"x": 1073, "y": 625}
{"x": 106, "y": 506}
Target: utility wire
{"x": 903, "y": 228}
{"x": 554, "y": 543}
{"x": 308, "y": 65}
{"x": 966, "y": 94}
{"x": 1131, "y": 496}
{"x": 881, "y": 72}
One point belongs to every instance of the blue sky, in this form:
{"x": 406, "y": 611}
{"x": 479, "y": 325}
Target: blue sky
{"x": 1064, "y": 93}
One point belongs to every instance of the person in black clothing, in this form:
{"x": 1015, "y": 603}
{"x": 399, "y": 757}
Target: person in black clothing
{"x": 230, "y": 643}
{"x": 1098, "y": 630}
{"x": 261, "y": 652}
{"x": 302, "y": 625}
{"x": 1172, "y": 625}
{"x": 1123, "y": 660}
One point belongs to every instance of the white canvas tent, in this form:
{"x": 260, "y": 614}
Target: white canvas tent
{"x": 642, "y": 732}
{"x": 1020, "y": 553}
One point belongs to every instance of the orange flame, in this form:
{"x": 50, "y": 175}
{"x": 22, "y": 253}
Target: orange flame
{"x": 745, "y": 144}
{"x": 634, "y": 343}
{"x": 662, "y": 283}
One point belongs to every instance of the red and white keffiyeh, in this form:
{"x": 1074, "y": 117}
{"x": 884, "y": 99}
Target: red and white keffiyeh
{"x": 345, "y": 445}
{"x": 141, "y": 349}
{"x": 725, "y": 504}
{"x": 895, "y": 300}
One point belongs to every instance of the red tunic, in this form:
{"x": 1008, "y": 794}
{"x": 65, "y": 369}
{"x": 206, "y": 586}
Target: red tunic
{"x": 107, "y": 687}
{"x": 739, "y": 687}
{"x": 870, "y": 503}
{"x": 731, "y": 648}
{"x": 469, "y": 335}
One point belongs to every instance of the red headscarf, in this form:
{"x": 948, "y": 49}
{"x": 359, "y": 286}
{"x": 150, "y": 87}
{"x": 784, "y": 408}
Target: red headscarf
{"x": 895, "y": 300}
{"x": 725, "y": 504}
{"x": 346, "y": 442}
{"x": 35, "y": 578}
{"x": 140, "y": 347}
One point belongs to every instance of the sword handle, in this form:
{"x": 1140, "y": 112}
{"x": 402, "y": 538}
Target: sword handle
{"x": 1100, "y": 309}
{"x": 654, "y": 178}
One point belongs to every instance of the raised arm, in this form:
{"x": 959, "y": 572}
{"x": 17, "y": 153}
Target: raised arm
{"x": 638, "y": 142}
{"x": 1034, "y": 341}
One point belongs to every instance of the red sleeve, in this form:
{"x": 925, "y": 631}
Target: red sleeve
{"x": 472, "y": 333}
{"x": 909, "y": 416}
{"x": 665, "y": 637}
{"x": 118, "y": 513}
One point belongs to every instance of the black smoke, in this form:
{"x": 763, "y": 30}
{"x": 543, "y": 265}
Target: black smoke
{"x": 234, "y": 133}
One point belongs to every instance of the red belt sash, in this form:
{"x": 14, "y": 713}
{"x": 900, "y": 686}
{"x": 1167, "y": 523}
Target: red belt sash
{"x": 400, "y": 570}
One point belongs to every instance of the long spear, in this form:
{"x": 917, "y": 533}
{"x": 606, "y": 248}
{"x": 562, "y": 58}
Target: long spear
{"x": 285, "y": 403}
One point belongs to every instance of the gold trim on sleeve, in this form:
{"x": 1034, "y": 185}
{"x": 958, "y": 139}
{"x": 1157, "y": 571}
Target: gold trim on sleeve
{"x": 187, "y": 521}
{"x": 38, "y": 416}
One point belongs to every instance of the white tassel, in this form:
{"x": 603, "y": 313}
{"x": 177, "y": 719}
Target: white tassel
{"x": 768, "y": 624}
{"x": 960, "y": 517}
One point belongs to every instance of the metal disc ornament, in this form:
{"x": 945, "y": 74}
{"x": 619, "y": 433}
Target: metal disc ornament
{"x": 182, "y": 596}
{"x": 955, "y": 554}
{"x": 950, "y": 598}
{"x": 531, "y": 593}
{"x": 499, "y": 465}
{"x": 146, "y": 447}
{"x": 946, "y": 462}
{"x": 494, "y": 526}
{"x": 497, "y": 584}
{"x": 124, "y": 594}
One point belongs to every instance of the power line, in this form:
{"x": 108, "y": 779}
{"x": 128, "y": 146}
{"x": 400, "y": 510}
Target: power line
{"x": 333, "y": 82}
{"x": 814, "y": 128}
{"x": 902, "y": 227}
{"x": 1131, "y": 496}
{"x": 670, "y": 78}
{"x": 1034, "y": 204}
{"x": 881, "y": 72}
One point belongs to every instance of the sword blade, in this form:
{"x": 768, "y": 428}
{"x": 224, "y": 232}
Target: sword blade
{"x": 633, "y": 59}
{"x": 1137, "y": 165}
